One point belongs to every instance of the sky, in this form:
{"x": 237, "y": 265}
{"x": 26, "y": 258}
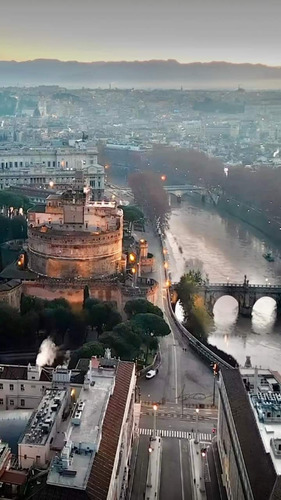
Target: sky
{"x": 115, "y": 30}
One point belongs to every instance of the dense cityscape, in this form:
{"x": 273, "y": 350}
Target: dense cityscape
{"x": 140, "y": 262}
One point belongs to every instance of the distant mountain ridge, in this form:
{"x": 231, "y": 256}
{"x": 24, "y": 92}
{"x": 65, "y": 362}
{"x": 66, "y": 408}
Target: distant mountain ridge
{"x": 139, "y": 74}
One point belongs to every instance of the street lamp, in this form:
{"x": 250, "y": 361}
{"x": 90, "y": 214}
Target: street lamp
{"x": 196, "y": 430}
{"x": 155, "y": 408}
{"x": 132, "y": 257}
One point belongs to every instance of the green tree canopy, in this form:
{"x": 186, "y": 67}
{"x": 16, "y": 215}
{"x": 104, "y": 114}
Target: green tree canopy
{"x": 137, "y": 306}
{"x": 132, "y": 213}
{"x": 186, "y": 289}
{"x": 152, "y": 324}
{"x": 103, "y": 316}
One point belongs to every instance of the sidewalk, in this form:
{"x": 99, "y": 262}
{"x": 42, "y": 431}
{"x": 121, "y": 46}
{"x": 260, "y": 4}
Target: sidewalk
{"x": 197, "y": 472}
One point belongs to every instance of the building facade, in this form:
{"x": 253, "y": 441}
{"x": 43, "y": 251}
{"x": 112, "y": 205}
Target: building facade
{"x": 85, "y": 438}
{"x": 10, "y": 292}
{"x": 72, "y": 236}
{"x": 47, "y": 167}
{"x": 251, "y": 470}
{"x": 22, "y": 386}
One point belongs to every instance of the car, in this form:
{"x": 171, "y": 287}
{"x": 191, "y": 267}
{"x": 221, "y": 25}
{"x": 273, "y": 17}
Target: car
{"x": 151, "y": 374}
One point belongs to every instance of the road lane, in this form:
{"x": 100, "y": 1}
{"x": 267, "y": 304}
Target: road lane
{"x": 175, "y": 473}
{"x": 140, "y": 473}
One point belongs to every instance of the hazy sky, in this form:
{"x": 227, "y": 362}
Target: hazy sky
{"x": 113, "y": 30}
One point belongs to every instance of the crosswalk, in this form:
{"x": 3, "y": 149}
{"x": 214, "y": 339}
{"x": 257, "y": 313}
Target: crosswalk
{"x": 202, "y": 436}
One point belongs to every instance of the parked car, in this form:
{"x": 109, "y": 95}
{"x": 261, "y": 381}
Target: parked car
{"x": 151, "y": 373}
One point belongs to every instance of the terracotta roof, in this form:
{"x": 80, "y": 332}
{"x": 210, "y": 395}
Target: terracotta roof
{"x": 13, "y": 372}
{"x": 258, "y": 463}
{"x": 100, "y": 475}
{"x": 14, "y": 477}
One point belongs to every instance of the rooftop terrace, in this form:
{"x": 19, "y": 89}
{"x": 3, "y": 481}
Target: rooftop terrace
{"x": 72, "y": 468}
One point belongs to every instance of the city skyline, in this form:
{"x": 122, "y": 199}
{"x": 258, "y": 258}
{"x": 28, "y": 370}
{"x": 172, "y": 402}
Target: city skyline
{"x": 128, "y": 30}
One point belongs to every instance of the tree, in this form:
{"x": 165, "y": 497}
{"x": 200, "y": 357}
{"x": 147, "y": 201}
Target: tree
{"x": 186, "y": 289}
{"x": 86, "y": 295}
{"x": 89, "y": 302}
{"x": 149, "y": 193}
{"x": 137, "y": 306}
{"x": 58, "y": 304}
{"x": 86, "y": 352}
{"x": 152, "y": 324}
{"x": 132, "y": 214}
{"x": 103, "y": 316}
{"x": 10, "y": 328}
{"x": 30, "y": 303}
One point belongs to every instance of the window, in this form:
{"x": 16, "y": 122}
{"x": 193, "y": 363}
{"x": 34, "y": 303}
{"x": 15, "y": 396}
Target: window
{"x": 12, "y": 402}
{"x": 11, "y": 387}
{"x": 16, "y": 164}
{"x": 25, "y": 457}
{"x": 1, "y": 401}
{"x": 22, "y": 387}
{"x": 1, "y": 386}
{"x": 49, "y": 163}
{"x": 22, "y": 402}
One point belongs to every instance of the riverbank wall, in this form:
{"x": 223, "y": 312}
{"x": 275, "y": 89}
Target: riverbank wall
{"x": 256, "y": 218}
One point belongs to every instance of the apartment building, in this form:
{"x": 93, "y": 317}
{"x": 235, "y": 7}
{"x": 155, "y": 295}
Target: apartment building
{"x": 249, "y": 434}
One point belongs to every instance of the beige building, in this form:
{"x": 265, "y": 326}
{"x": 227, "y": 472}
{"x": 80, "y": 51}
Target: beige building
{"x": 85, "y": 438}
{"x": 22, "y": 386}
{"x": 47, "y": 167}
{"x": 72, "y": 236}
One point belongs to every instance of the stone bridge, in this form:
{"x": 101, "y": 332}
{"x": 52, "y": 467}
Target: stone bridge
{"x": 246, "y": 294}
{"x": 180, "y": 190}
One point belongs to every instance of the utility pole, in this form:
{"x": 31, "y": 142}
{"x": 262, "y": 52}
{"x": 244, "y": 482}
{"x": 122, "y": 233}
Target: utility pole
{"x": 182, "y": 399}
{"x": 215, "y": 372}
{"x": 196, "y": 431}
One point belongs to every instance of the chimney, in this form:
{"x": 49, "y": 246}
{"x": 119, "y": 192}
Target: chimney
{"x": 95, "y": 363}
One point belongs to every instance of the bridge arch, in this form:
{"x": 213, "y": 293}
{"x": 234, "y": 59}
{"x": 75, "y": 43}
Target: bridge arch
{"x": 264, "y": 314}
{"x": 225, "y": 311}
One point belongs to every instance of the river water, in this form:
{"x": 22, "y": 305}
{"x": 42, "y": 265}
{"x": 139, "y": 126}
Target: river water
{"x": 226, "y": 249}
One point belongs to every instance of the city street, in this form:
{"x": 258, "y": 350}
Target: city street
{"x": 181, "y": 373}
{"x": 182, "y": 380}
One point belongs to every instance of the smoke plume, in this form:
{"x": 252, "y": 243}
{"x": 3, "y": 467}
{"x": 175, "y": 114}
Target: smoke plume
{"x": 47, "y": 353}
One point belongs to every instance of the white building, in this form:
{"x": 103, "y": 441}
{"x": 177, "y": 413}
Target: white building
{"x": 94, "y": 440}
{"x": 47, "y": 167}
{"x": 22, "y": 386}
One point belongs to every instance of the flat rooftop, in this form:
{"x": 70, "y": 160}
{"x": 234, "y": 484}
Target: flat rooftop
{"x": 72, "y": 468}
{"x": 42, "y": 420}
{"x": 269, "y": 403}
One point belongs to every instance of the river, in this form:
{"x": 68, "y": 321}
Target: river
{"x": 226, "y": 249}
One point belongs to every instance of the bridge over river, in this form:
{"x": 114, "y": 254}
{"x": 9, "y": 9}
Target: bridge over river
{"x": 245, "y": 293}
{"x": 182, "y": 189}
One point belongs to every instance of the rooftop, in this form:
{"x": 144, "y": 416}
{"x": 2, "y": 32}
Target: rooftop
{"x": 100, "y": 472}
{"x": 84, "y": 433}
{"x": 42, "y": 420}
{"x": 258, "y": 462}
